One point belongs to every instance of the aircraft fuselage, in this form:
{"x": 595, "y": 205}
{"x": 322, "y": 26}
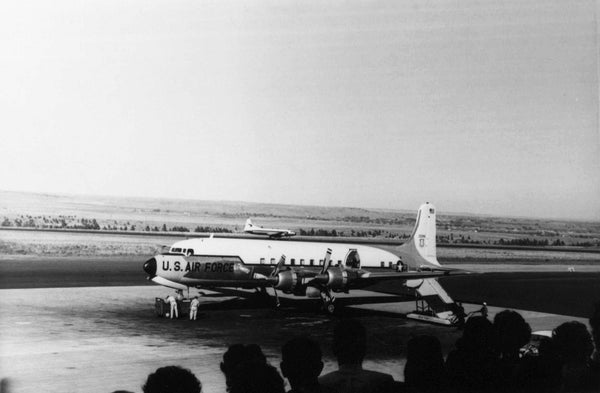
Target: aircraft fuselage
{"x": 197, "y": 260}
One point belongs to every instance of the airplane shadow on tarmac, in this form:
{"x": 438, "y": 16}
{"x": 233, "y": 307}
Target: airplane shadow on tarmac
{"x": 253, "y": 300}
{"x": 221, "y": 322}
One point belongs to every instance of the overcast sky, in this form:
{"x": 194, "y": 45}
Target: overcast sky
{"x": 478, "y": 106}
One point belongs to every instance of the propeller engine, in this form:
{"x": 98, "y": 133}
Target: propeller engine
{"x": 335, "y": 278}
{"x": 286, "y": 280}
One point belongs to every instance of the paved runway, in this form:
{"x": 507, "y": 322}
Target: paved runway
{"x": 66, "y": 327}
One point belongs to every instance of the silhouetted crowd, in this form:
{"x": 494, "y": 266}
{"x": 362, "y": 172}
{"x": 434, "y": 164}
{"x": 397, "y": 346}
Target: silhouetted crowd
{"x": 489, "y": 357}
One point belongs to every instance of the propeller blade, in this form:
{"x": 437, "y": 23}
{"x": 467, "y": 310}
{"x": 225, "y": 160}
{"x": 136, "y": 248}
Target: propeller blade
{"x": 278, "y": 266}
{"x": 327, "y": 261}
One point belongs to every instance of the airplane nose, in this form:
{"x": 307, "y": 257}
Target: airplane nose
{"x": 150, "y": 267}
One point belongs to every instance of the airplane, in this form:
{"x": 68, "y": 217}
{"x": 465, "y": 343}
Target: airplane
{"x": 271, "y": 232}
{"x": 300, "y": 268}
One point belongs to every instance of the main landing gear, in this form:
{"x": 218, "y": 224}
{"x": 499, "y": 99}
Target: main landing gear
{"x": 328, "y": 301}
{"x": 277, "y": 302}
{"x": 264, "y": 294}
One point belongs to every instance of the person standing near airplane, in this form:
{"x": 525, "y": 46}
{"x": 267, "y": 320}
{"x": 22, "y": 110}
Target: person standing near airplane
{"x": 484, "y": 310}
{"x": 171, "y": 300}
{"x": 194, "y": 308}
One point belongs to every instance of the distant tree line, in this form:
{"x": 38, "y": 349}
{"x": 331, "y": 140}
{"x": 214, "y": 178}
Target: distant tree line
{"x": 212, "y": 229}
{"x": 525, "y": 242}
{"x": 353, "y": 233}
{"x": 378, "y": 220}
{"x": 73, "y": 222}
{"x": 27, "y": 221}
{"x": 181, "y": 228}
{"x": 450, "y": 239}
{"x": 87, "y": 224}
{"x": 355, "y": 219}
{"x": 198, "y": 229}
{"x": 320, "y": 232}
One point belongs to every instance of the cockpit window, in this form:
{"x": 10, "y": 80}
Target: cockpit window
{"x": 176, "y": 250}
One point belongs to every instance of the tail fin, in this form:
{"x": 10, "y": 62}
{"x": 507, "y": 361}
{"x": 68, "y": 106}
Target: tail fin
{"x": 420, "y": 249}
{"x": 248, "y": 225}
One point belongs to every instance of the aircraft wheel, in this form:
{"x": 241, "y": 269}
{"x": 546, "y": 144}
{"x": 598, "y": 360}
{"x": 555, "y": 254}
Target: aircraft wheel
{"x": 330, "y": 308}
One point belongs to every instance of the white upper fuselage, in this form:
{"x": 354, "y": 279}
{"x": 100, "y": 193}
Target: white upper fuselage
{"x": 298, "y": 253}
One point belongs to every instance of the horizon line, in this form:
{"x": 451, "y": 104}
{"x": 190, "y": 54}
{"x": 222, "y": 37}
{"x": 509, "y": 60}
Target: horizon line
{"x": 449, "y": 213}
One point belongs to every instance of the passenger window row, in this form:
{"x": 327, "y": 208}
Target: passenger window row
{"x": 301, "y": 262}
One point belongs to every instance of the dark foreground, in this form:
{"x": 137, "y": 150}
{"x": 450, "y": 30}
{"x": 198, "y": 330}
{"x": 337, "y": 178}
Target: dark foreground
{"x": 100, "y": 339}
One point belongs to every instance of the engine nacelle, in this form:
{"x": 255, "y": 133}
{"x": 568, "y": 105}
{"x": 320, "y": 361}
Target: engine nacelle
{"x": 313, "y": 292}
{"x": 339, "y": 279}
{"x": 287, "y": 281}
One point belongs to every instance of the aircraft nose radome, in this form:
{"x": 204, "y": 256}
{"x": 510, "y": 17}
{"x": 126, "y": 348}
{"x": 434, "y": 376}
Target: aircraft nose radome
{"x": 150, "y": 267}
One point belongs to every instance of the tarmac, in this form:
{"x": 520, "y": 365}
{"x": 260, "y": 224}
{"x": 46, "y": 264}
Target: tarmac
{"x": 86, "y": 337}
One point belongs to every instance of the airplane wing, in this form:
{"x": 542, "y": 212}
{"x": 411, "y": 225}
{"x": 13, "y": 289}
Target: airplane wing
{"x": 250, "y": 283}
{"x": 369, "y": 278}
{"x": 363, "y": 279}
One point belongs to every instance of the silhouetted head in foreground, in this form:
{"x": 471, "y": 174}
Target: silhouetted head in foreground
{"x": 473, "y": 365}
{"x": 240, "y": 353}
{"x": 349, "y": 342}
{"x": 573, "y": 342}
{"x": 424, "y": 362}
{"x": 172, "y": 379}
{"x": 478, "y": 335}
{"x": 301, "y": 362}
{"x": 255, "y": 377}
{"x": 512, "y": 333}
{"x": 574, "y": 347}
